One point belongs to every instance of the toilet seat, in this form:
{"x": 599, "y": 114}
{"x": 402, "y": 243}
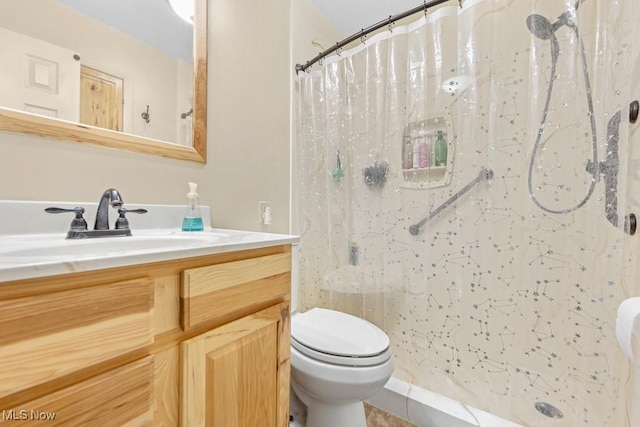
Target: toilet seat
{"x": 339, "y": 338}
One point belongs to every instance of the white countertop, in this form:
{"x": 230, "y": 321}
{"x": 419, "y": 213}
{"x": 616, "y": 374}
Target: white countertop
{"x": 41, "y": 249}
{"x": 56, "y": 255}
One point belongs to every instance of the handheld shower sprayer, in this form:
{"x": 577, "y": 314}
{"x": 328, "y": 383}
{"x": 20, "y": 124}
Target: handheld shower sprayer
{"x": 543, "y": 29}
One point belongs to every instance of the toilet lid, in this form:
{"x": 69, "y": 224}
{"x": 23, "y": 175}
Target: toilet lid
{"x": 339, "y": 334}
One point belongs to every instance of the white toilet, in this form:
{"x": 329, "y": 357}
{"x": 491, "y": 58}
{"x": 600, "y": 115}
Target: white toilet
{"x": 337, "y": 361}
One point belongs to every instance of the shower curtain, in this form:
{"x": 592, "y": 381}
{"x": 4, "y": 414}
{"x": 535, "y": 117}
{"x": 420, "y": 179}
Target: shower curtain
{"x": 505, "y": 299}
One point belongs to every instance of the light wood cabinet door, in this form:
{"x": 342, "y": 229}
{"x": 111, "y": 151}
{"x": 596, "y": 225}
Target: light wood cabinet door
{"x": 237, "y": 375}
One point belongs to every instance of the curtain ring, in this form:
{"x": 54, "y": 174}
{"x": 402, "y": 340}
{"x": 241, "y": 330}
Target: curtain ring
{"x": 390, "y": 25}
{"x": 425, "y": 7}
{"x": 460, "y": 3}
{"x": 338, "y": 49}
{"x": 363, "y": 36}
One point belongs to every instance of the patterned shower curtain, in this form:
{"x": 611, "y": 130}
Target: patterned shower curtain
{"x": 466, "y": 183}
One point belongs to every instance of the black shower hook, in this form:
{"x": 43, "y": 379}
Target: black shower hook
{"x": 145, "y": 115}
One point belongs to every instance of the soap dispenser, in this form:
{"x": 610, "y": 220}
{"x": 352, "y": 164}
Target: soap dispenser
{"x": 192, "y": 218}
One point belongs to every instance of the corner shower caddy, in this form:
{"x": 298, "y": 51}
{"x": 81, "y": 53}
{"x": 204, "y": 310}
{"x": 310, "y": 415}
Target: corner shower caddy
{"x": 430, "y": 176}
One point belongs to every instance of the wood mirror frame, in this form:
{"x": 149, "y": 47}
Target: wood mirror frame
{"x": 31, "y": 124}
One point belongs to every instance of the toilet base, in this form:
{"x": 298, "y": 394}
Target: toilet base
{"x": 297, "y": 411}
{"x": 322, "y": 415}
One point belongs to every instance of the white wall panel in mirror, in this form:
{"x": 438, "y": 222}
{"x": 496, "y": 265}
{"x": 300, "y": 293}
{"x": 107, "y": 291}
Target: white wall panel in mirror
{"x": 38, "y": 77}
{"x": 121, "y": 65}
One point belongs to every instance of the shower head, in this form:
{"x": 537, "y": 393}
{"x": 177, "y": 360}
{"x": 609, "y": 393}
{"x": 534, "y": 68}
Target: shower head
{"x": 543, "y": 29}
{"x": 540, "y": 27}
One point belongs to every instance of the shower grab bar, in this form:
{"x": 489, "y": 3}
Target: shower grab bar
{"x": 484, "y": 175}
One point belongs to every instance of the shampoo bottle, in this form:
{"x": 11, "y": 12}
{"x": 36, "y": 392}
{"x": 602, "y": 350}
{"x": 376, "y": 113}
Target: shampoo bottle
{"x": 440, "y": 150}
{"x": 192, "y": 218}
{"x": 415, "y": 161}
{"x": 407, "y": 162}
{"x": 424, "y": 156}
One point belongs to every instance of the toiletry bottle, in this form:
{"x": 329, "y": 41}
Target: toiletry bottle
{"x": 192, "y": 218}
{"x": 423, "y": 152}
{"x": 407, "y": 160}
{"x": 415, "y": 163}
{"x": 441, "y": 150}
{"x": 430, "y": 144}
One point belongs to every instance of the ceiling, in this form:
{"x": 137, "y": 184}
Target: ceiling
{"x": 151, "y": 21}
{"x": 350, "y": 16}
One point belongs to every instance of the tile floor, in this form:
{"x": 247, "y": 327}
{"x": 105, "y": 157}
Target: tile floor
{"x": 378, "y": 418}
{"x": 375, "y": 417}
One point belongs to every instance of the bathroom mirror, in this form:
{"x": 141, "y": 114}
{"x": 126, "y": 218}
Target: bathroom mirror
{"x": 159, "y": 117}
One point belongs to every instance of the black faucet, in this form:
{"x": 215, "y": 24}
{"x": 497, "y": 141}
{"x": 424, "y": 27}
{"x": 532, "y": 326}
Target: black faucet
{"x": 111, "y": 197}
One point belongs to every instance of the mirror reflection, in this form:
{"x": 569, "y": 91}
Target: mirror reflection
{"x": 122, "y": 65}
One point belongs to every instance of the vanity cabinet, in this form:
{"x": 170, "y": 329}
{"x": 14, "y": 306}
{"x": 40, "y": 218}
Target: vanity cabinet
{"x": 189, "y": 342}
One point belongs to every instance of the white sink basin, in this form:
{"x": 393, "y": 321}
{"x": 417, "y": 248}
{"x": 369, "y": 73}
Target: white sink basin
{"x": 109, "y": 245}
{"x": 47, "y": 247}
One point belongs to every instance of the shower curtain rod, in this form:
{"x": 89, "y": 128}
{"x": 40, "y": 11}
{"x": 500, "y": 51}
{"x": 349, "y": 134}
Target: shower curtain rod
{"x": 362, "y": 33}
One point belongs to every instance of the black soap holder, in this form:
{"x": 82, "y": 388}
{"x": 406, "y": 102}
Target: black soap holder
{"x": 376, "y": 175}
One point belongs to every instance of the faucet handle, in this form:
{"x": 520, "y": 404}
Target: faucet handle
{"x": 122, "y": 222}
{"x": 78, "y": 223}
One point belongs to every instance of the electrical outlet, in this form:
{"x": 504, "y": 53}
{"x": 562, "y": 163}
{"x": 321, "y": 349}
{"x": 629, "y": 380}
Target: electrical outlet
{"x": 264, "y": 213}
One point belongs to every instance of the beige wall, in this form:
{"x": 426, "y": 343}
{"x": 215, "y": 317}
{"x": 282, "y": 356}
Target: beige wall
{"x": 248, "y": 134}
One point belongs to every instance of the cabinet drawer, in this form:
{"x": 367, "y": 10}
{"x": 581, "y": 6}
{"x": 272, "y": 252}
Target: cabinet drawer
{"x": 45, "y": 337}
{"x": 216, "y": 291}
{"x": 120, "y": 397}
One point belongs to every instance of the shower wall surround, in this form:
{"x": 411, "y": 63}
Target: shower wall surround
{"x": 497, "y": 302}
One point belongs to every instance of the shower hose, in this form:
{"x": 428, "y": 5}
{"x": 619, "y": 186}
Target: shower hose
{"x": 543, "y": 29}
